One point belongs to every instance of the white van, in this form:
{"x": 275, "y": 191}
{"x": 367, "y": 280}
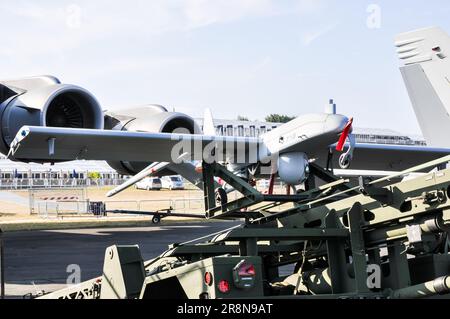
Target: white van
{"x": 172, "y": 182}
{"x": 149, "y": 183}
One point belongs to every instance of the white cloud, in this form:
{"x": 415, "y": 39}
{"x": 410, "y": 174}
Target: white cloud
{"x": 308, "y": 37}
{"x": 156, "y": 16}
{"x": 49, "y": 32}
{"x": 113, "y": 42}
{"x": 201, "y": 13}
{"x": 24, "y": 9}
{"x": 262, "y": 64}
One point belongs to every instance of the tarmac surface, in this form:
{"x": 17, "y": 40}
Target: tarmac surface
{"x": 10, "y": 197}
{"x": 39, "y": 260}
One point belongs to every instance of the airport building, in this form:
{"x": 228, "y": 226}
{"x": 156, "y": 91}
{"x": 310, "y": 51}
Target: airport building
{"x": 86, "y": 173}
{"x": 363, "y": 135}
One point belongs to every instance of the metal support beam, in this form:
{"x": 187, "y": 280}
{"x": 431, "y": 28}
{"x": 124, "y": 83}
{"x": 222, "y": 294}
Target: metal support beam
{"x": 374, "y": 256}
{"x": 381, "y": 194}
{"x": 337, "y": 261}
{"x": 208, "y": 188}
{"x": 235, "y": 181}
{"x": 310, "y": 183}
{"x": 329, "y": 177}
{"x": 288, "y": 234}
{"x": 355, "y": 215}
{"x": 398, "y": 265}
{"x": 285, "y": 198}
{"x": 248, "y": 247}
{"x": 250, "y": 195}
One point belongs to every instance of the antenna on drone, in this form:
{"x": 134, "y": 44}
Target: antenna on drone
{"x": 331, "y": 107}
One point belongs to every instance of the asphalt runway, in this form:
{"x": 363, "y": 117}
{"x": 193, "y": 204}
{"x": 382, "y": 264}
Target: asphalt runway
{"x": 38, "y": 260}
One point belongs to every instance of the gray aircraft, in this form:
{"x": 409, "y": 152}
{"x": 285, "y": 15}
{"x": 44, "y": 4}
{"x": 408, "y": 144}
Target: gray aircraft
{"x": 426, "y": 72}
{"x": 44, "y": 120}
{"x": 376, "y": 240}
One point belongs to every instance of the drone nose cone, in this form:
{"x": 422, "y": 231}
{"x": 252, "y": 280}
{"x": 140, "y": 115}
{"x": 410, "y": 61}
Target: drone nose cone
{"x": 336, "y": 123}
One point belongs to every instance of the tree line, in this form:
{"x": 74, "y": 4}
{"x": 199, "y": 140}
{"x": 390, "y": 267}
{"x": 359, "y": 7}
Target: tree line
{"x": 272, "y": 118}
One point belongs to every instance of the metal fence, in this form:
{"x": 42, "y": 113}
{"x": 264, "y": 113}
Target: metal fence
{"x": 59, "y": 202}
{"x": 55, "y": 209}
{"x": 47, "y": 201}
{"x": 188, "y": 205}
{"x": 29, "y": 183}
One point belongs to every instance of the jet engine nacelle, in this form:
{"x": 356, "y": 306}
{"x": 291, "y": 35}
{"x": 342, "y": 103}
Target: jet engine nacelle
{"x": 293, "y": 168}
{"x": 45, "y": 101}
{"x": 149, "y": 118}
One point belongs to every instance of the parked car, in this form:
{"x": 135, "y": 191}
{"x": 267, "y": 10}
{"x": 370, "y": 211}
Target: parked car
{"x": 172, "y": 182}
{"x": 149, "y": 183}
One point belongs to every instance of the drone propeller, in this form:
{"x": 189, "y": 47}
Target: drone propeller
{"x": 344, "y": 136}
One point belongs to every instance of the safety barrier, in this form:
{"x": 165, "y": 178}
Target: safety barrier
{"x": 55, "y": 209}
{"x": 30, "y": 183}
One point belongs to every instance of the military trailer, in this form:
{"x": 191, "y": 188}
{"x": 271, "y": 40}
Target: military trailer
{"x": 339, "y": 238}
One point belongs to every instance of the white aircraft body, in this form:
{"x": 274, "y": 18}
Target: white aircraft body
{"x": 46, "y": 121}
{"x": 426, "y": 72}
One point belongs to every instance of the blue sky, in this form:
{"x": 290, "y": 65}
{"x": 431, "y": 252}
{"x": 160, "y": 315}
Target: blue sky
{"x": 237, "y": 57}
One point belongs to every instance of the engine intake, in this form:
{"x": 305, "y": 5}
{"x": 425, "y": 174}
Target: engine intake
{"x": 73, "y": 109}
{"x": 150, "y": 118}
{"x": 44, "y": 101}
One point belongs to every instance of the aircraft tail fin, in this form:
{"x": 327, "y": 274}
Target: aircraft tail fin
{"x": 208, "y": 123}
{"x": 426, "y": 73}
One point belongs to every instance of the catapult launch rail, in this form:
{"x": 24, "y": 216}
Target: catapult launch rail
{"x": 382, "y": 239}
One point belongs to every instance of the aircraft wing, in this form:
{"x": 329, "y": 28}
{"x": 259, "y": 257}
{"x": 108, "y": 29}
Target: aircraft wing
{"x": 70, "y": 144}
{"x": 381, "y": 157}
{"x": 187, "y": 170}
{"x": 56, "y": 144}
